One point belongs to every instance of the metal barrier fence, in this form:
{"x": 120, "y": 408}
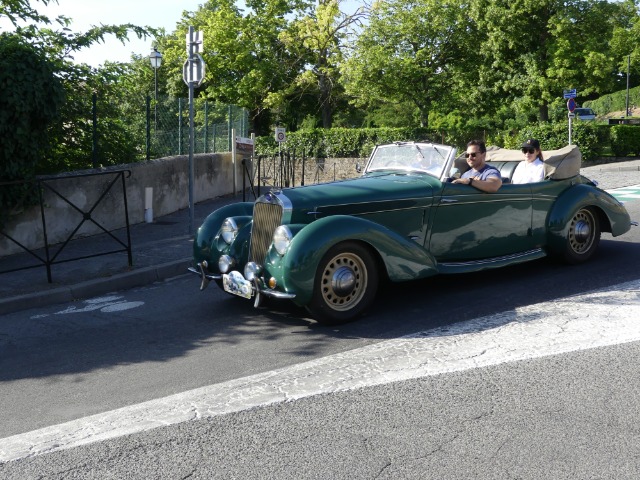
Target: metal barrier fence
{"x": 287, "y": 169}
{"x": 52, "y": 257}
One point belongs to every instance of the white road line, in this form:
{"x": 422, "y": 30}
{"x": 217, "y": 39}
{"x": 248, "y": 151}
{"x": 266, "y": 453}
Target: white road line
{"x": 605, "y": 317}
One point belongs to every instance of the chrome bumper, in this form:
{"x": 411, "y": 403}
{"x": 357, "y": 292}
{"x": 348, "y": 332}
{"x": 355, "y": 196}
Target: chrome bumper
{"x": 206, "y": 277}
{"x": 257, "y": 289}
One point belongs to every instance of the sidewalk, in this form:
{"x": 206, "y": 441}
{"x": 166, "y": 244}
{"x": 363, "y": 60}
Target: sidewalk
{"x": 160, "y": 250}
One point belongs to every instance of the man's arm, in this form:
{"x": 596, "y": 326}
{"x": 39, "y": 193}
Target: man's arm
{"x": 490, "y": 185}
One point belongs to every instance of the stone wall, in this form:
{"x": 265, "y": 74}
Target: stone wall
{"x": 168, "y": 177}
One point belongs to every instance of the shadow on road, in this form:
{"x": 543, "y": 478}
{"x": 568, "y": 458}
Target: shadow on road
{"x": 119, "y": 330}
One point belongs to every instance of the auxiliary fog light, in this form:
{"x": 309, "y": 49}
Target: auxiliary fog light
{"x": 225, "y": 263}
{"x": 251, "y": 271}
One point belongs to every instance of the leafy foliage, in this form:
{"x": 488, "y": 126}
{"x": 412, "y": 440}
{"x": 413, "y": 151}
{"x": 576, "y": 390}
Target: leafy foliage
{"x": 31, "y": 99}
{"x": 409, "y": 52}
{"x": 340, "y": 142}
{"x": 625, "y": 140}
{"x": 615, "y": 102}
{"x": 590, "y": 137}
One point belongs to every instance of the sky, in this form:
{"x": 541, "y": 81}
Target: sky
{"x": 85, "y": 13}
{"x": 153, "y": 13}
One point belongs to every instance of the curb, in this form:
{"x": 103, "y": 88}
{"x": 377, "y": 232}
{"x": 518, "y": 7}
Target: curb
{"x": 91, "y": 288}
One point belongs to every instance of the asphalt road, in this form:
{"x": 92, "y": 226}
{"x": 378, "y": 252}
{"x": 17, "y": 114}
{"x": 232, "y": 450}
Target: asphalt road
{"x": 573, "y": 415}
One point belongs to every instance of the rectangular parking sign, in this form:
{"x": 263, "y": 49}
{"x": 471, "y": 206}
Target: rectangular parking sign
{"x": 570, "y": 93}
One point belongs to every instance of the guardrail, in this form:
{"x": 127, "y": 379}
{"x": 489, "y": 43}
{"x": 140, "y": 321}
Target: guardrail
{"x": 51, "y": 255}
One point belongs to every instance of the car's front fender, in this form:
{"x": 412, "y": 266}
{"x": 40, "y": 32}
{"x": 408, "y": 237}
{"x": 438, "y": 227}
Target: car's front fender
{"x": 582, "y": 196}
{"x": 403, "y": 259}
{"x": 206, "y": 234}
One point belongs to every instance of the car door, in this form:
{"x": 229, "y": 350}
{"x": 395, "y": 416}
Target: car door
{"x": 469, "y": 225}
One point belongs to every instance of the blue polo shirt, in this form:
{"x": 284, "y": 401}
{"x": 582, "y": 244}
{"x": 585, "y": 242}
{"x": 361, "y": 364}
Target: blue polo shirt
{"x": 484, "y": 173}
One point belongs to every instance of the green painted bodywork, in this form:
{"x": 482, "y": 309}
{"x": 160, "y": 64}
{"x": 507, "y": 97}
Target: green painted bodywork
{"x": 415, "y": 225}
{"x": 206, "y": 243}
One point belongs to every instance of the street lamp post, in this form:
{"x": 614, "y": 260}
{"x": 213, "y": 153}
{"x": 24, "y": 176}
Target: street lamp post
{"x": 156, "y": 59}
{"x": 627, "y": 102}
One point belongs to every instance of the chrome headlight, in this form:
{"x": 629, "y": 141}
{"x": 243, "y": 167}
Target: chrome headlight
{"x": 225, "y": 263}
{"x": 228, "y": 230}
{"x": 251, "y": 271}
{"x": 282, "y": 239}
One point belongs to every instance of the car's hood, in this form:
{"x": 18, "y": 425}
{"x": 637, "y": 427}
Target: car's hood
{"x": 372, "y": 193}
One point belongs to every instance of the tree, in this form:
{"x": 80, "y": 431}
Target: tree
{"x": 536, "y": 48}
{"x": 625, "y": 43}
{"x": 245, "y": 59}
{"x": 316, "y": 41}
{"x": 27, "y": 108}
{"x": 16, "y": 10}
{"x": 409, "y": 52}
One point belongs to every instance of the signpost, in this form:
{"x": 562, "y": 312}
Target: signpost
{"x": 193, "y": 75}
{"x": 571, "y": 106}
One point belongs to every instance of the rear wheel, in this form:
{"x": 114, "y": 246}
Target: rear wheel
{"x": 583, "y": 236}
{"x": 345, "y": 284}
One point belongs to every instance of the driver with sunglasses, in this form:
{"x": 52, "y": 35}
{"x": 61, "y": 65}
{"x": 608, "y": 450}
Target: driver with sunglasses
{"x": 482, "y": 176}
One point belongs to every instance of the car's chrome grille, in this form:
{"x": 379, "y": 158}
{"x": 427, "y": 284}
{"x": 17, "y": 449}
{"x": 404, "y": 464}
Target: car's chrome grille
{"x": 266, "y": 218}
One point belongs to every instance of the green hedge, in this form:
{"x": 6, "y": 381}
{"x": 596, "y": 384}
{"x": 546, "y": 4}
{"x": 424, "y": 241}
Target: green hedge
{"x": 593, "y": 139}
{"x": 358, "y": 142}
{"x": 625, "y": 140}
{"x": 614, "y": 102}
{"x": 339, "y": 142}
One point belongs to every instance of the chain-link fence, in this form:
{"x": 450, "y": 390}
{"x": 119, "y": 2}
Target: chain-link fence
{"x": 168, "y": 126}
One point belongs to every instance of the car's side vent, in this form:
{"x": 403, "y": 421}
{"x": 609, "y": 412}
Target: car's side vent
{"x": 266, "y": 218}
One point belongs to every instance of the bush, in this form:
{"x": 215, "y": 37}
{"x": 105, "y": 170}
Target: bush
{"x": 29, "y": 103}
{"x": 590, "y": 137}
{"x": 339, "y": 142}
{"x": 359, "y": 142}
{"x": 614, "y": 102}
{"x": 625, "y": 140}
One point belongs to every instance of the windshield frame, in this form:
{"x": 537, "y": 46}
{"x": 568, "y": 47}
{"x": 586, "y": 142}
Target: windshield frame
{"x": 432, "y": 159}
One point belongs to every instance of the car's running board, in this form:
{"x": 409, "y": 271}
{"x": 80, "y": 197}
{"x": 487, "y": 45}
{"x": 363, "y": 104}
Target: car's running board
{"x": 494, "y": 262}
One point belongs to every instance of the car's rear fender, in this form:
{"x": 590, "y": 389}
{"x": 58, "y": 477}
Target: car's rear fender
{"x": 402, "y": 258}
{"x": 613, "y": 216}
{"x": 204, "y": 247}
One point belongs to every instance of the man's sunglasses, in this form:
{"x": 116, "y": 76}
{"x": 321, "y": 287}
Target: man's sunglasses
{"x": 528, "y": 150}
{"x": 472, "y": 155}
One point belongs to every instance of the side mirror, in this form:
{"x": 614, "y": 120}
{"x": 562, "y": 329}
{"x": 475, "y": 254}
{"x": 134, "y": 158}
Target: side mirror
{"x": 358, "y": 168}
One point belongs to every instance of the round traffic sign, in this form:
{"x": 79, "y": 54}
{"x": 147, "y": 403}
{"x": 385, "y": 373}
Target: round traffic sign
{"x": 571, "y": 104}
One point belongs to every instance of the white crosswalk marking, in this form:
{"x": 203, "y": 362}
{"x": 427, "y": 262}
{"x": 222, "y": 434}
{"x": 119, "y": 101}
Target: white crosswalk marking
{"x": 626, "y": 193}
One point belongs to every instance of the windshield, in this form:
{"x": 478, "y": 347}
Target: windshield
{"x": 410, "y": 157}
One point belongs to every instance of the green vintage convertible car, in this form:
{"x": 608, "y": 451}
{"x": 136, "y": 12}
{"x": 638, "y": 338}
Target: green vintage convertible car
{"x": 327, "y": 247}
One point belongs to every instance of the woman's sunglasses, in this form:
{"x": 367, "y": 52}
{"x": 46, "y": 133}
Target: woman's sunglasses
{"x": 528, "y": 150}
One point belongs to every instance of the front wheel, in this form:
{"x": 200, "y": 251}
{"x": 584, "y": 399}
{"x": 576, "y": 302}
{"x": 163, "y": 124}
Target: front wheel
{"x": 583, "y": 236}
{"x": 345, "y": 284}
